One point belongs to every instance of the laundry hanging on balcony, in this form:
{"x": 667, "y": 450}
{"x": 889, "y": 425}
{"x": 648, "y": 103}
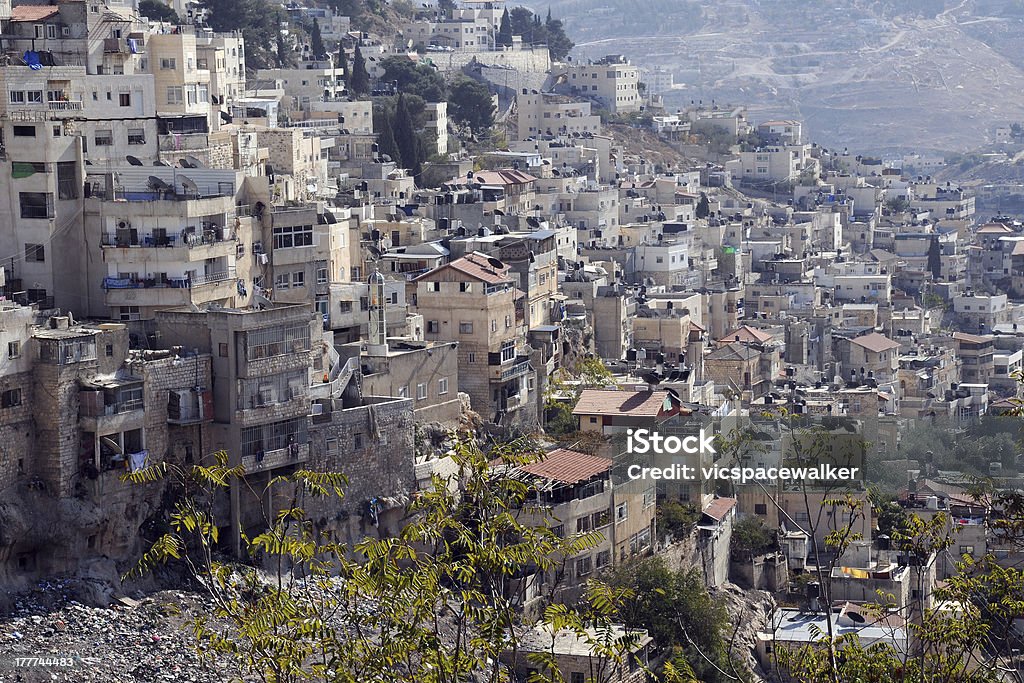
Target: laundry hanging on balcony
{"x": 137, "y": 461}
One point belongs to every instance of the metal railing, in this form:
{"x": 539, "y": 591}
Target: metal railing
{"x": 180, "y": 282}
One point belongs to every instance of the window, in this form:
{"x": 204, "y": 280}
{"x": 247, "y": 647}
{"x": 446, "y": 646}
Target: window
{"x": 104, "y": 138}
{"x": 760, "y": 509}
{"x": 465, "y": 286}
{"x": 24, "y": 131}
{"x": 17, "y": 97}
{"x": 174, "y": 95}
{"x": 35, "y": 205}
{"x": 124, "y": 99}
{"x": 222, "y": 350}
{"x": 433, "y": 327}
{"x": 403, "y": 392}
{"x": 621, "y": 512}
{"x": 421, "y": 391}
{"x": 283, "y": 281}
{"x": 465, "y": 328}
{"x": 38, "y": 30}
{"x": 293, "y": 236}
{"x": 299, "y": 278}
{"x": 603, "y": 558}
{"x": 10, "y": 398}
{"x": 168, "y": 63}
{"x": 136, "y": 136}
{"x": 130, "y": 313}
{"x": 433, "y": 286}
{"x": 14, "y": 349}
{"x": 442, "y": 386}
{"x": 967, "y": 550}
{"x": 67, "y": 180}
{"x": 321, "y": 276}
{"x": 650, "y": 497}
{"x": 582, "y": 569}
{"x": 109, "y": 350}
{"x": 470, "y": 357}
{"x": 494, "y": 326}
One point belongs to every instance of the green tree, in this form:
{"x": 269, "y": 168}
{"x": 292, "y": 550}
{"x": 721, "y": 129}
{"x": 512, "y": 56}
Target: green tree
{"x": 751, "y": 537}
{"x": 678, "y": 612}
{"x": 446, "y": 7}
{"x": 281, "y": 51}
{"x": 436, "y": 604}
{"x": 703, "y": 209}
{"x": 470, "y": 104}
{"x": 316, "y": 41}
{"x": 558, "y": 42}
{"x": 256, "y": 20}
{"x": 935, "y": 258}
{"x": 383, "y": 122}
{"x": 405, "y": 136}
{"x": 158, "y": 11}
{"x": 676, "y": 518}
{"x": 415, "y": 79}
{"x": 504, "y": 36}
{"x": 360, "y": 80}
{"x": 341, "y": 62}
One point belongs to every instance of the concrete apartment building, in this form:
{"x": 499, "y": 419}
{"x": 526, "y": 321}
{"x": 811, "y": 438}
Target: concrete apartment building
{"x": 611, "y": 81}
{"x": 474, "y": 301}
{"x": 551, "y": 114}
{"x": 161, "y": 246}
{"x": 578, "y": 493}
{"x": 264, "y": 363}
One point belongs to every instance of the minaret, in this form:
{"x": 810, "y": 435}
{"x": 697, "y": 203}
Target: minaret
{"x": 378, "y": 337}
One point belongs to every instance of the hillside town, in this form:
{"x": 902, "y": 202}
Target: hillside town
{"x": 357, "y": 244}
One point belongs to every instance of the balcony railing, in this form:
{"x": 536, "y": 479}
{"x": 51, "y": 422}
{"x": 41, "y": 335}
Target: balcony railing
{"x": 517, "y": 370}
{"x": 115, "y": 408}
{"x": 191, "y": 240}
{"x": 182, "y": 282}
{"x": 64, "y": 106}
{"x": 280, "y": 457}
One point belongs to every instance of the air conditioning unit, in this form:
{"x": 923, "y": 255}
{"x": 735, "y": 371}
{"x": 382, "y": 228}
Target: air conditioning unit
{"x": 124, "y": 225}
{"x": 317, "y": 409}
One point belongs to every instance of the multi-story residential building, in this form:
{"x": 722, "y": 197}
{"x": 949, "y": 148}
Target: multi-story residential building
{"x": 611, "y": 82}
{"x": 870, "y": 355}
{"x": 550, "y": 114}
{"x": 780, "y": 132}
{"x": 264, "y": 363}
{"x": 474, "y": 301}
{"x": 976, "y": 354}
{"x": 775, "y": 164}
{"x": 160, "y": 239}
{"x": 980, "y": 312}
{"x": 579, "y": 493}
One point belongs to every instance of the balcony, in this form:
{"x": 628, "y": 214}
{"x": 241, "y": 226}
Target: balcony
{"x": 518, "y": 369}
{"x": 187, "y": 246}
{"x": 101, "y": 415}
{"x": 294, "y": 454}
{"x": 64, "y": 106}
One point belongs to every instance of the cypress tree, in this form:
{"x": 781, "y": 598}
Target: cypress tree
{"x": 316, "y": 41}
{"x": 504, "y": 37}
{"x": 341, "y": 63}
{"x": 935, "y": 259}
{"x": 386, "y": 137}
{"x": 405, "y": 136}
{"x": 360, "y": 84}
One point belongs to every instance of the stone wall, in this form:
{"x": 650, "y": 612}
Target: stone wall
{"x": 17, "y": 431}
{"x": 373, "y": 445}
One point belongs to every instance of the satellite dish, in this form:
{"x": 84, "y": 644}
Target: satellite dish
{"x": 133, "y": 160}
{"x": 495, "y": 263}
{"x": 499, "y": 212}
{"x": 111, "y": 444}
{"x": 194, "y": 162}
{"x": 160, "y": 162}
{"x": 532, "y": 222}
{"x": 184, "y": 163}
{"x": 188, "y": 184}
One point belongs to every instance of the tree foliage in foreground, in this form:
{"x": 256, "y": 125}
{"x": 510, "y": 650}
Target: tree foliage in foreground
{"x": 438, "y": 603}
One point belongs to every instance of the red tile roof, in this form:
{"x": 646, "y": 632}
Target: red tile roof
{"x": 32, "y": 12}
{"x": 611, "y": 402}
{"x": 746, "y": 334}
{"x": 719, "y": 508}
{"x": 875, "y": 342}
{"x": 475, "y": 265}
{"x": 568, "y": 467}
{"x": 970, "y": 338}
